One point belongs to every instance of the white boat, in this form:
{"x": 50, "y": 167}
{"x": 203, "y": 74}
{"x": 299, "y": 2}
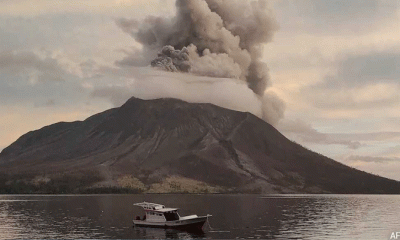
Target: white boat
{"x": 157, "y": 215}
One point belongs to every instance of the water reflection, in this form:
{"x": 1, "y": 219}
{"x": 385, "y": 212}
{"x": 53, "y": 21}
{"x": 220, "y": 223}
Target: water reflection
{"x": 159, "y": 233}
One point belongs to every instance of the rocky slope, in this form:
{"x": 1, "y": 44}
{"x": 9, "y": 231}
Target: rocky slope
{"x": 151, "y": 141}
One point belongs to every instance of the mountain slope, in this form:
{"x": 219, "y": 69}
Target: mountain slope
{"x": 154, "y": 139}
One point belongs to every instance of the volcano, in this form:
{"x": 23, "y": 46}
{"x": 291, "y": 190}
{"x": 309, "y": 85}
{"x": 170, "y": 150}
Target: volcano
{"x": 154, "y": 140}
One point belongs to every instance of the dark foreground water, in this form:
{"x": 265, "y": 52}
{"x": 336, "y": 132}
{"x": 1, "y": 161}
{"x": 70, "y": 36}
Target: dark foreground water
{"x": 234, "y": 216}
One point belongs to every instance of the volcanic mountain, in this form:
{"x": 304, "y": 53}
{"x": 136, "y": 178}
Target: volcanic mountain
{"x": 153, "y": 140}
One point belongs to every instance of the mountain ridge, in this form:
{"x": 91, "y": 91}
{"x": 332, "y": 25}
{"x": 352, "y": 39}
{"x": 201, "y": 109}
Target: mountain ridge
{"x": 154, "y": 140}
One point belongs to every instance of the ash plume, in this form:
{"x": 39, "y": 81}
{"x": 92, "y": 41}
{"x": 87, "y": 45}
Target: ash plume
{"x": 172, "y": 60}
{"x": 214, "y": 38}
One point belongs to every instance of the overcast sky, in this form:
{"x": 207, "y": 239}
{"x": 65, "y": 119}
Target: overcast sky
{"x": 335, "y": 64}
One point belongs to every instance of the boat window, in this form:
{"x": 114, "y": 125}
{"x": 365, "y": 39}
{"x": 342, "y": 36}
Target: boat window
{"x": 171, "y": 216}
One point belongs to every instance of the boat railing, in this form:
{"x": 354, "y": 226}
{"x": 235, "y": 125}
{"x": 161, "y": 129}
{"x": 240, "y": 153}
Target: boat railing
{"x": 150, "y": 206}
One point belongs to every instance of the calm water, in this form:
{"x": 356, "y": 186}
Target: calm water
{"x": 234, "y": 216}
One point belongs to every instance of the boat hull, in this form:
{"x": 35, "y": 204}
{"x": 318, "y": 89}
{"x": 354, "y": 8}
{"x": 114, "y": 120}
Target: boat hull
{"x": 187, "y": 224}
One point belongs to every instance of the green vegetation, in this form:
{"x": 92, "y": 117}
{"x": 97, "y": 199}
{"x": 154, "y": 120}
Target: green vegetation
{"x": 131, "y": 183}
{"x": 176, "y": 184}
{"x": 85, "y": 183}
{"x": 74, "y": 182}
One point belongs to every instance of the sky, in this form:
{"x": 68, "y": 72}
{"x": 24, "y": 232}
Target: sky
{"x": 335, "y": 65}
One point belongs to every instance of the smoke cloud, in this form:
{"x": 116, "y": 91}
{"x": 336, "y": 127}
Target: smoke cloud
{"x": 214, "y": 38}
{"x": 146, "y": 83}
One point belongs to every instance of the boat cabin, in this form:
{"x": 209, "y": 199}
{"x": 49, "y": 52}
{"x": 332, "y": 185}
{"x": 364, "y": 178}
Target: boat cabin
{"x": 157, "y": 212}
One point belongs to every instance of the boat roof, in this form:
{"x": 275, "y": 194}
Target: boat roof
{"x": 154, "y": 207}
{"x": 166, "y": 210}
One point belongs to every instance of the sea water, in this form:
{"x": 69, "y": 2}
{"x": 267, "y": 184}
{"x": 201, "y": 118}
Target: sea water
{"x": 234, "y": 216}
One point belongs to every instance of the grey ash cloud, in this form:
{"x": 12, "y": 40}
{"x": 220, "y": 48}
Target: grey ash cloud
{"x": 230, "y": 34}
{"x": 170, "y": 59}
{"x": 211, "y": 38}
